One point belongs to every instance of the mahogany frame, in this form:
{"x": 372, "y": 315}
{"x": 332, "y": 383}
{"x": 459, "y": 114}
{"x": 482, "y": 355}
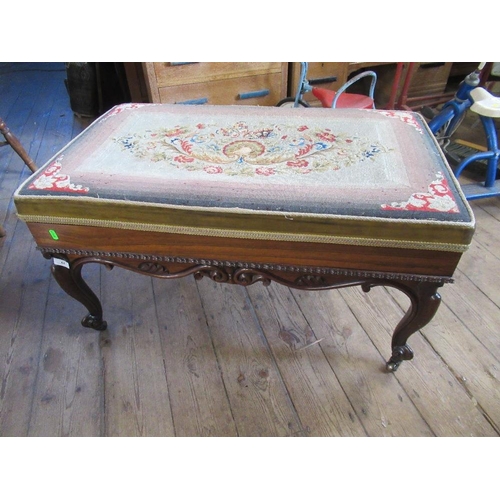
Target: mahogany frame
{"x": 305, "y": 266}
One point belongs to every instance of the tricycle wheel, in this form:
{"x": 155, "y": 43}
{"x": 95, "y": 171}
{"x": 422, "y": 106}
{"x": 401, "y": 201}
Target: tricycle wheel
{"x": 288, "y": 102}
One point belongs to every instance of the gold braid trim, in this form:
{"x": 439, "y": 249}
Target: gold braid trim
{"x": 253, "y": 235}
{"x": 236, "y": 210}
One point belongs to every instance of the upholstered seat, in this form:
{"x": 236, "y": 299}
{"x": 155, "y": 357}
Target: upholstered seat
{"x": 360, "y": 177}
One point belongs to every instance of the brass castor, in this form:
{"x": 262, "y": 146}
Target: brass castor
{"x": 94, "y": 322}
{"x": 399, "y": 354}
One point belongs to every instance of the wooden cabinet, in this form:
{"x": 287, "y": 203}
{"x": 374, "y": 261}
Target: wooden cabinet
{"x": 266, "y": 83}
{"x": 428, "y": 79}
{"x": 257, "y": 83}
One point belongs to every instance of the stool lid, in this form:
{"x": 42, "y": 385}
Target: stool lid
{"x": 351, "y": 176}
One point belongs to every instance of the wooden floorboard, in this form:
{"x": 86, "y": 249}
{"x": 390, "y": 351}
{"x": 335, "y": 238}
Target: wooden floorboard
{"x": 258, "y": 397}
{"x": 68, "y": 387}
{"x": 357, "y": 363}
{"x": 199, "y": 397}
{"x": 319, "y": 398}
{"x": 136, "y": 395}
{"x": 196, "y": 358}
{"x": 23, "y": 296}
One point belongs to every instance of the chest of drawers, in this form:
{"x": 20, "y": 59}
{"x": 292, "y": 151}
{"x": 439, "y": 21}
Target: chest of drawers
{"x": 252, "y": 83}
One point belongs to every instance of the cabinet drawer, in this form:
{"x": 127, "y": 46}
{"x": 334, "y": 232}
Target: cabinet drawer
{"x": 260, "y": 90}
{"x": 429, "y": 78}
{"x": 170, "y": 74}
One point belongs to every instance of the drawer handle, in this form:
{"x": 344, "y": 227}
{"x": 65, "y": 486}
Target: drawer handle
{"x": 202, "y": 100}
{"x": 255, "y": 93}
{"x": 320, "y": 81}
{"x": 180, "y": 63}
{"x": 432, "y": 65}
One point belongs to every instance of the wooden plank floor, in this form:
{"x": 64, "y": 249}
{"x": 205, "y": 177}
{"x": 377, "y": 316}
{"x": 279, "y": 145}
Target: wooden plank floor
{"x": 187, "y": 358}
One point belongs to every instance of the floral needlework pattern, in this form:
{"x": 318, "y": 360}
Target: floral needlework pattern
{"x": 52, "y": 180}
{"x": 405, "y": 117}
{"x": 243, "y": 150}
{"x": 438, "y": 198}
{"x": 120, "y": 108}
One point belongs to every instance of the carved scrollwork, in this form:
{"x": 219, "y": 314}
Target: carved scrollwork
{"x": 152, "y": 268}
{"x": 311, "y": 281}
{"x": 239, "y": 276}
{"x": 246, "y": 277}
{"x": 217, "y": 274}
{"x": 260, "y": 269}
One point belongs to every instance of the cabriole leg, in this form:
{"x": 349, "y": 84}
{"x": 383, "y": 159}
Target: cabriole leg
{"x": 69, "y": 277}
{"x": 425, "y": 301}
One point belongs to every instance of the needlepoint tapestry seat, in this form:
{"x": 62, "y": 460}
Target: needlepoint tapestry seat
{"x": 311, "y": 198}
